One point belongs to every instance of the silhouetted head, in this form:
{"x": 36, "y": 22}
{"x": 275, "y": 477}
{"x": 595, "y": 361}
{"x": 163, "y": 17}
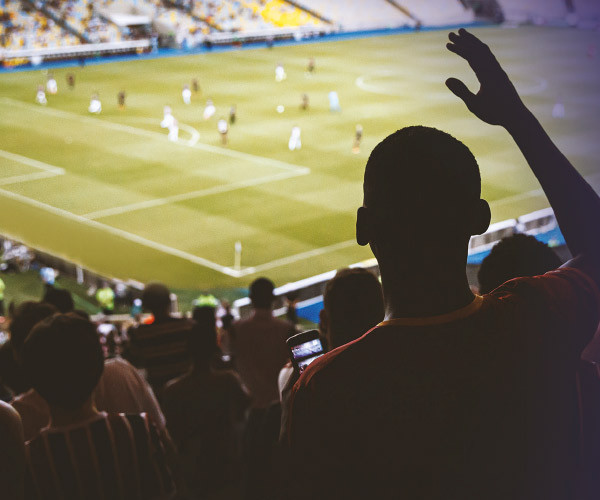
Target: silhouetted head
{"x": 352, "y": 304}
{"x": 24, "y": 318}
{"x": 261, "y": 293}
{"x": 156, "y": 298}
{"x": 202, "y": 342}
{"x": 63, "y": 359}
{"x": 514, "y": 257}
{"x": 61, "y": 299}
{"x": 421, "y": 197}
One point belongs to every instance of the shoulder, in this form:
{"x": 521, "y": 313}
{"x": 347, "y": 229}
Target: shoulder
{"x": 10, "y": 422}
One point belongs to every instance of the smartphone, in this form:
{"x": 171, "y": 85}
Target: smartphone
{"x": 304, "y": 347}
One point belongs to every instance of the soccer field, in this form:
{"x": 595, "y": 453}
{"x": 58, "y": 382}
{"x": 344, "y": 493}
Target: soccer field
{"x": 113, "y": 194}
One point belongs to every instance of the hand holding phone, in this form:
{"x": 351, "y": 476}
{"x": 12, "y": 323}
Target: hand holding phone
{"x": 304, "y": 347}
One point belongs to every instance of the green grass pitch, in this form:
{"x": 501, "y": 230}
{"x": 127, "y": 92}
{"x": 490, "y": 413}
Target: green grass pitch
{"x": 112, "y": 193}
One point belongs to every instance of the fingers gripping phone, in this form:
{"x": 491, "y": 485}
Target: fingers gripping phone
{"x": 304, "y": 347}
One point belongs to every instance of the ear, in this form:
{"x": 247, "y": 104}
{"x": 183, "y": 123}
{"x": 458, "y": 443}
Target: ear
{"x": 481, "y": 217}
{"x": 323, "y": 322}
{"x": 364, "y": 226}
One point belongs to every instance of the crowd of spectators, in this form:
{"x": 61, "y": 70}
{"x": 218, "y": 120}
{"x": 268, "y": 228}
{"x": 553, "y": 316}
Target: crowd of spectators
{"x": 427, "y": 390}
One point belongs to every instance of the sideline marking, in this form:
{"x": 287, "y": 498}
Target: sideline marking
{"x": 232, "y": 153}
{"x": 124, "y": 234}
{"x": 47, "y": 170}
{"x": 156, "y": 202}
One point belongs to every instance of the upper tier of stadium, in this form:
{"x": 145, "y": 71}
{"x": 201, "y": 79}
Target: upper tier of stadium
{"x": 39, "y": 24}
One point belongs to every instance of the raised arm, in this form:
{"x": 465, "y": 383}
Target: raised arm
{"x": 575, "y": 204}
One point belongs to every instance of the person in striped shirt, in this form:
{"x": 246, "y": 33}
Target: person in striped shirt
{"x": 84, "y": 453}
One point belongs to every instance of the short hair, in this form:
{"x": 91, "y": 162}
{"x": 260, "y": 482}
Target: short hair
{"x": 513, "y": 257}
{"x": 24, "y": 318}
{"x": 63, "y": 359}
{"x": 353, "y": 301}
{"x": 61, "y": 299}
{"x": 156, "y": 297}
{"x": 420, "y": 165}
{"x": 261, "y": 293}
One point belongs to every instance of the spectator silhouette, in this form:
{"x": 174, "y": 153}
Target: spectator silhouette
{"x": 454, "y": 396}
{"x": 160, "y": 347}
{"x": 61, "y": 299}
{"x": 204, "y": 410}
{"x": 12, "y": 454}
{"x": 513, "y": 257}
{"x": 84, "y": 451}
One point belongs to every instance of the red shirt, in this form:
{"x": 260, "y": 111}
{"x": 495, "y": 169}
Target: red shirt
{"x": 476, "y": 404}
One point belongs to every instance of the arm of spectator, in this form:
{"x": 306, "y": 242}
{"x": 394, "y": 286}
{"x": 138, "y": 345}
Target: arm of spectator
{"x": 12, "y": 453}
{"x": 575, "y": 204}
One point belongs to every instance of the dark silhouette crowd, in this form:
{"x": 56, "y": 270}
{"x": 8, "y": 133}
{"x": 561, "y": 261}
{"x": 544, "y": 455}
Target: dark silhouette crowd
{"x": 427, "y": 390}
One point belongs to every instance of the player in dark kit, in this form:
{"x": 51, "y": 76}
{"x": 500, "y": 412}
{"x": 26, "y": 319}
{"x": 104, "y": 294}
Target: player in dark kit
{"x": 304, "y": 104}
{"x": 71, "y": 80}
{"x": 121, "y": 99}
{"x": 195, "y": 86}
{"x": 232, "y": 114}
{"x": 357, "y": 138}
{"x": 311, "y": 65}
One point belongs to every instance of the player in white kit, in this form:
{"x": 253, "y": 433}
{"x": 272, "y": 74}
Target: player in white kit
{"x": 51, "y": 85}
{"x": 209, "y": 110}
{"x": 40, "y": 97}
{"x": 186, "y": 94}
{"x": 223, "y": 128}
{"x": 169, "y": 122}
{"x": 295, "y": 142}
{"x": 334, "y": 101}
{"x": 280, "y": 73}
{"x": 95, "y": 105}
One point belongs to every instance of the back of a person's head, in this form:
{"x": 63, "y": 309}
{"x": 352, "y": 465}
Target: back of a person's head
{"x": 353, "y": 304}
{"x": 24, "y": 318}
{"x": 202, "y": 343}
{"x": 513, "y": 257}
{"x": 156, "y": 298}
{"x": 61, "y": 299}
{"x": 63, "y": 359}
{"x": 261, "y": 293}
{"x": 422, "y": 185}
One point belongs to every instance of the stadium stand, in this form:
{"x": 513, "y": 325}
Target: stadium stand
{"x": 353, "y": 15}
{"x": 587, "y": 11}
{"x": 22, "y": 27}
{"x": 534, "y": 11}
{"x": 437, "y": 12}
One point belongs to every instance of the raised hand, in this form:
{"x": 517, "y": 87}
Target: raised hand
{"x": 497, "y": 101}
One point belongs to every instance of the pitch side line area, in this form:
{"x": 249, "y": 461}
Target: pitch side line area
{"x": 264, "y": 161}
{"x": 47, "y": 170}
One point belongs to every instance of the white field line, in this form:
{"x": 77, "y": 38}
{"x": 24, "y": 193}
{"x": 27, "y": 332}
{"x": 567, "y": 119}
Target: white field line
{"x": 156, "y": 202}
{"x": 123, "y": 234}
{"x": 297, "y": 257}
{"x": 195, "y": 135}
{"x": 15, "y": 179}
{"x": 261, "y": 160}
{"x": 40, "y": 165}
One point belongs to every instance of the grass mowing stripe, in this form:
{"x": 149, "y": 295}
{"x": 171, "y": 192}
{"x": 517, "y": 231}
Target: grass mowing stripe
{"x": 156, "y": 135}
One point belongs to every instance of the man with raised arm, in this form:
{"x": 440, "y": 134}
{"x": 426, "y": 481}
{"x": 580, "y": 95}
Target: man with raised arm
{"x": 454, "y": 396}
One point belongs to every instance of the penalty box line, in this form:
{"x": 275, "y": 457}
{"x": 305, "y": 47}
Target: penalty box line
{"x": 47, "y": 170}
{"x": 231, "y": 153}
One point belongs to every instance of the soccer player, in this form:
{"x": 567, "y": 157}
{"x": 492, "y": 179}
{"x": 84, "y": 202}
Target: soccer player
{"x": 51, "y": 85}
{"x": 95, "y": 104}
{"x": 357, "y": 138}
{"x": 223, "y": 128}
{"x": 174, "y": 131}
{"x": 186, "y": 94}
{"x": 209, "y": 110}
{"x": 40, "y": 97}
{"x": 304, "y": 105}
{"x": 195, "y": 86}
{"x": 169, "y": 122}
{"x": 334, "y": 101}
{"x": 295, "y": 142}
{"x": 280, "y": 73}
{"x": 232, "y": 114}
{"x": 71, "y": 81}
{"x": 311, "y": 65}
{"x": 121, "y": 99}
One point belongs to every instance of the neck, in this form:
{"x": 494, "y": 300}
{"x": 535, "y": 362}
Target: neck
{"x": 60, "y": 417}
{"x": 438, "y": 290}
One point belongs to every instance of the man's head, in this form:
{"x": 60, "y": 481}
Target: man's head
{"x": 421, "y": 192}
{"x": 352, "y": 304}
{"x": 157, "y": 299}
{"x": 261, "y": 293}
{"x": 513, "y": 257}
{"x": 202, "y": 343}
{"x": 61, "y": 299}
{"x": 63, "y": 359}
{"x": 24, "y": 318}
